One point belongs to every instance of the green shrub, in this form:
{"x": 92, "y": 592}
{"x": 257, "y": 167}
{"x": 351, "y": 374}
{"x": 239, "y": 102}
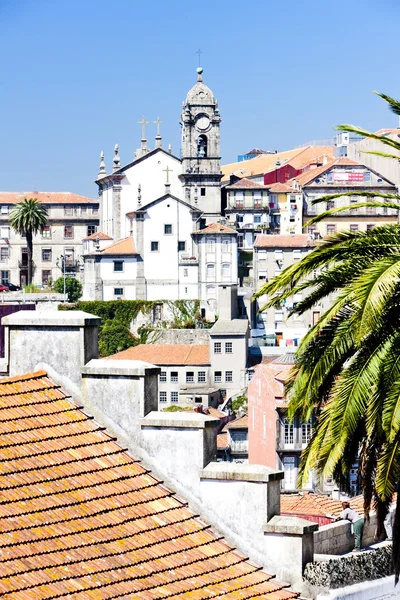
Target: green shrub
{"x": 240, "y": 403}
{"x": 174, "y": 408}
{"x": 73, "y": 288}
{"x": 115, "y": 337}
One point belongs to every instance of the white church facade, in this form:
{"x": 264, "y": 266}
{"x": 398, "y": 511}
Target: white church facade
{"x": 160, "y": 236}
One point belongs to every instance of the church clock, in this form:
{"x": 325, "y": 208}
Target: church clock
{"x": 202, "y": 123}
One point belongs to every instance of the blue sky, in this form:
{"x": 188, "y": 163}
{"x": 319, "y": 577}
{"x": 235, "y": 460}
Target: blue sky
{"x": 76, "y": 76}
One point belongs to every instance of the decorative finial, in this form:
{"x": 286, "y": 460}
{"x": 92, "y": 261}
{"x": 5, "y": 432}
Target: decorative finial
{"x": 116, "y": 158}
{"x": 158, "y": 136}
{"x": 278, "y": 162}
{"x": 139, "y": 195}
{"x": 199, "y": 74}
{"x": 102, "y": 169}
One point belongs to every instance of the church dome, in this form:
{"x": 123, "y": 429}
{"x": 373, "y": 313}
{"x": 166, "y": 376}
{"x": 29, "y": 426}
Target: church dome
{"x": 200, "y": 93}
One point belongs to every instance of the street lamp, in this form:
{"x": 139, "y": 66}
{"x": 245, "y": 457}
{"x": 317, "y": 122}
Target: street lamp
{"x": 60, "y": 263}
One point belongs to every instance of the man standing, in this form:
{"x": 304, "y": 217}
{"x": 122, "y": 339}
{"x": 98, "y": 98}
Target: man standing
{"x": 348, "y": 514}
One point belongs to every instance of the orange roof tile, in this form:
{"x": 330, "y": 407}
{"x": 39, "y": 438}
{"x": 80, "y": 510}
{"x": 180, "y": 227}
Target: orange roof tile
{"x": 313, "y": 154}
{"x": 310, "y": 174}
{"x": 215, "y": 228}
{"x": 80, "y": 518}
{"x": 240, "y": 423}
{"x": 222, "y": 441}
{"x": 98, "y": 235}
{"x": 46, "y": 198}
{"x": 166, "y": 354}
{"x": 299, "y": 240}
{"x": 246, "y": 184}
{"x": 124, "y": 247}
{"x": 277, "y": 188}
{"x": 390, "y": 131}
{"x": 317, "y": 505}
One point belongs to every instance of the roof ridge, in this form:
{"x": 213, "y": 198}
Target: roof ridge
{"x": 32, "y": 375}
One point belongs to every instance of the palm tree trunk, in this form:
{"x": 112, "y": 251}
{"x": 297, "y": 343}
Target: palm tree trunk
{"x": 29, "y": 243}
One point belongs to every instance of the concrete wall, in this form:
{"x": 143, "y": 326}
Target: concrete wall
{"x": 337, "y": 538}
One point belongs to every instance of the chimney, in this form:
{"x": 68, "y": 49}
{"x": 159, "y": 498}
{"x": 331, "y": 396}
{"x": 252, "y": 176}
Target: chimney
{"x": 227, "y": 301}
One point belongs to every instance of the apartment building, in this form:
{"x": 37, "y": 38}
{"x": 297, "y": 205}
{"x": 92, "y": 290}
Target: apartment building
{"x": 347, "y": 176}
{"x": 70, "y": 219}
{"x": 275, "y": 441}
{"x": 247, "y": 210}
{"x": 272, "y": 254}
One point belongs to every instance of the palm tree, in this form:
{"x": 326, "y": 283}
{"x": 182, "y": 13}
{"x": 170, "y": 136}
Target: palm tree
{"x": 347, "y": 369}
{"x": 28, "y": 218}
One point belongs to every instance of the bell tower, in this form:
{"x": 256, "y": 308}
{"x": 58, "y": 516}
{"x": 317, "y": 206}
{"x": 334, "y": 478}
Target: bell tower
{"x": 201, "y": 170}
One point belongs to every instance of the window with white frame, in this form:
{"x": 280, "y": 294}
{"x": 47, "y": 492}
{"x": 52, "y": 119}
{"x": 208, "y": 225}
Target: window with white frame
{"x": 46, "y": 233}
{"x": 46, "y": 254}
{"x": 118, "y": 292}
{"x": 226, "y": 244}
{"x": 174, "y": 397}
{"x": 168, "y": 229}
{"x": 228, "y": 376}
{"x": 163, "y": 376}
{"x": 118, "y": 266}
{"x": 211, "y": 292}
{"x": 201, "y": 377}
{"x": 4, "y": 253}
{"x": 279, "y": 315}
{"x": 306, "y": 432}
{"x": 4, "y": 233}
{"x": 163, "y": 396}
{"x": 174, "y": 376}
{"x": 289, "y": 431}
{"x": 218, "y": 376}
{"x": 4, "y": 209}
{"x": 226, "y": 270}
{"x": 228, "y": 347}
{"x": 189, "y": 377}
{"x": 211, "y": 272}
{"x": 217, "y": 347}
{"x": 210, "y": 244}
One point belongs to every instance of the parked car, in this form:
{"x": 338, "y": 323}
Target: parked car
{"x": 13, "y": 288}
{"x": 3, "y": 287}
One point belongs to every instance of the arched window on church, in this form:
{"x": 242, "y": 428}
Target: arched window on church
{"x": 202, "y": 146}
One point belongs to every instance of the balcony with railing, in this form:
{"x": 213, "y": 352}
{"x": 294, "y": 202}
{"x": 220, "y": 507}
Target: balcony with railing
{"x": 185, "y": 259}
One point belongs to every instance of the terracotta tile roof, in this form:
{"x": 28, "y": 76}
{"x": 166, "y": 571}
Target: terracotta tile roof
{"x": 98, "y": 235}
{"x": 81, "y": 519}
{"x": 390, "y": 131}
{"x": 317, "y": 505}
{"x": 215, "y": 228}
{"x": 124, "y": 247}
{"x": 166, "y": 354}
{"x": 222, "y": 441}
{"x": 299, "y": 240}
{"x": 298, "y": 158}
{"x": 277, "y": 188}
{"x": 275, "y": 374}
{"x": 311, "y": 174}
{"x": 241, "y": 423}
{"x": 46, "y": 198}
{"x": 246, "y": 184}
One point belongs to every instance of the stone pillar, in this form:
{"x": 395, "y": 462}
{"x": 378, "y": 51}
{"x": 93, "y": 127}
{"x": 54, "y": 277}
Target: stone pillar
{"x": 242, "y": 499}
{"x": 116, "y": 201}
{"x": 65, "y": 340}
{"x": 289, "y": 546}
{"x": 179, "y": 445}
{"x": 141, "y": 287}
{"x": 119, "y": 393}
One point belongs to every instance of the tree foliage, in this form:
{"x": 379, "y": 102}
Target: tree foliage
{"x": 73, "y": 288}
{"x": 115, "y": 337}
{"x": 347, "y": 369}
{"x": 28, "y": 218}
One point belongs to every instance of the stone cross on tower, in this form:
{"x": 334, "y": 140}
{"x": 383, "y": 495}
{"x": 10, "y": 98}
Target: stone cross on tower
{"x": 167, "y": 170}
{"x": 143, "y": 148}
{"x": 158, "y": 136}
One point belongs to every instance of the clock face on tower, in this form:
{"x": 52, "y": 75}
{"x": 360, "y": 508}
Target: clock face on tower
{"x": 202, "y": 123}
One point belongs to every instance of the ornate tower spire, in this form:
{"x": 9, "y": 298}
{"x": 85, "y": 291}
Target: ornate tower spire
{"x": 201, "y": 168}
{"x": 116, "y": 159}
{"x": 158, "y": 136}
{"x": 102, "y": 168}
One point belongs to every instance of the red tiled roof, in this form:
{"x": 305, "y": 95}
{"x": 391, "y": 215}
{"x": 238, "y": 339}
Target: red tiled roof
{"x": 310, "y": 174}
{"x": 246, "y": 184}
{"x": 317, "y": 505}
{"x": 124, "y": 247}
{"x": 215, "y": 228}
{"x": 299, "y": 240}
{"x": 46, "y": 198}
{"x": 98, "y": 235}
{"x": 166, "y": 354}
{"x": 80, "y": 518}
{"x": 222, "y": 441}
{"x": 278, "y": 188}
{"x": 240, "y": 423}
